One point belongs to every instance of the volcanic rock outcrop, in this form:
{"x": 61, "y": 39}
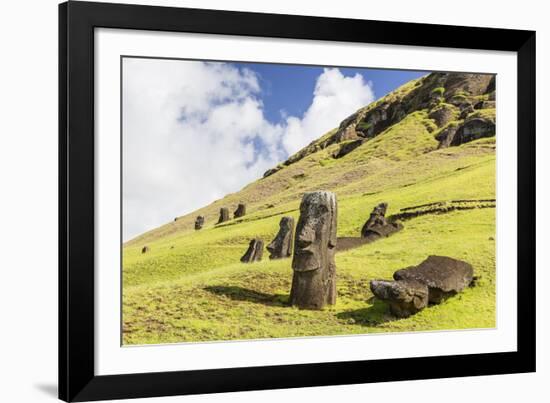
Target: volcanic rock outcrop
{"x": 314, "y": 269}
{"x": 281, "y": 246}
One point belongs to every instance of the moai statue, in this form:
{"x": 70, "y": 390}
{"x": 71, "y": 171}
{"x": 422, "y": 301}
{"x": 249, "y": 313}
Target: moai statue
{"x": 241, "y": 211}
{"x": 224, "y": 215}
{"x": 314, "y": 278}
{"x": 254, "y": 252}
{"x": 145, "y": 249}
{"x": 281, "y": 246}
{"x": 199, "y": 222}
{"x": 377, "y": 226}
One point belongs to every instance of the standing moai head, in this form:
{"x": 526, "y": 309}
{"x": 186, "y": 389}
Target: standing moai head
{"x": 241, "y": 210}
{"x": 281, "y": 246}
{"x": 145, "y": 249}
{"x": 314, "y": 279}
{"x": 224, "y": 215}
{"x": 199, "y": 222}
{"x": 254, "y": 252}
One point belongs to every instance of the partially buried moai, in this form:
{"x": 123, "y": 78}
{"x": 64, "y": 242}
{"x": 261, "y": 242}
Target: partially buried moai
{"x": 224, "y": 215}
{"x": 314, "y": 277}
{"x": 254, "y": 252}
{"x": 241, "y": 210}
{"x": 281, "y": 246}
{"x": 199, "y": 222}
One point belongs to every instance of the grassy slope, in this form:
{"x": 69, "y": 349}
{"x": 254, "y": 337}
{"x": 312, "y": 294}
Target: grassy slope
{"x": 191, "y": 285}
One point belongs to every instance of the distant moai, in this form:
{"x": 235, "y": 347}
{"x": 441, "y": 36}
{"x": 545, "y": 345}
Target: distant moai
{"x": 145, "y": 249}
{"x": 224, "y": 215}
{"x": 199, "y": 222}
{"x": 314, "y": 277}
{"x": 254, "y": 252}
{"x": 241, "y": 210}
{"x": 377, "y": 226}
{"x": 281, "y": 246}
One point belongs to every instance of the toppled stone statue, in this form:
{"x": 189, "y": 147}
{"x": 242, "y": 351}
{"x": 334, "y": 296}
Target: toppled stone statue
{"x": 405, "y": 297}
{"x": 314, "y": 277}
{"x": 432, "y": 281}
{"x": 224, "y": 215}
{"x": 254, "y": 252}
{"x": 199, "y": 222}
{"x": 443, "y": 275}
{"x": 145, "y": 249}
{"x": 281, "y": 246}
{"x": 377, "y": 226}
{"x": 241, "y": 210}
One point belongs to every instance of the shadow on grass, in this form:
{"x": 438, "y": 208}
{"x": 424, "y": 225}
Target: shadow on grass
{"x": 237, "y": 293}
{"x": 374, "y": 315}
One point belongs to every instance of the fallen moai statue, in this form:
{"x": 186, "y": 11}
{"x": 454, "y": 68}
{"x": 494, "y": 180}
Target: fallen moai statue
{"x": 432, "y": 281}
{"x": 199, "y": 222}
{"x": 241, "y": 210}
{"x": 254, "y": 252}
{"x": 377, "y": 226}
{"x": 314, "y": 278}
{"x": 281, "y": 246}
{"x": 405, "y": 297}
{"x": 224, "y": 215}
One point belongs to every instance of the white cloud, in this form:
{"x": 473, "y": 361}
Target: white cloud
{"x": 335, "y": 97}
{"x": 195, "y": 131}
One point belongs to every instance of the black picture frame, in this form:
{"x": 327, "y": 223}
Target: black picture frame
{"x": 77, "y": 21}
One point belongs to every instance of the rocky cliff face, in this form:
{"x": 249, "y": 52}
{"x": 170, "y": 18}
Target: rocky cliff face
{"x": 461, "y": 105}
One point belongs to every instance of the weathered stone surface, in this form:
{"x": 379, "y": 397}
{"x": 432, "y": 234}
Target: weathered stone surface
{"x": 254, "y": 252}
{"x": 405, "y": 297}
{"x": 199, "y": 222}
{"x": 444, "y": 276}
{"x": 442, "y": 115}
{"x": 485, "y": 105}
{"x": 271, "y": 171}
{"x": 348, "y": 147}
{"x": 377, "y": 226}
{"x": 474, "y": 129}
{"x": 445, "y": 136}
{"x": 241, "y": 210}
{"x": 281, "y": 246}
{"x": 224, "y": 215}
{"x": 314, "y": 278}
{"x": 145, "y": 249}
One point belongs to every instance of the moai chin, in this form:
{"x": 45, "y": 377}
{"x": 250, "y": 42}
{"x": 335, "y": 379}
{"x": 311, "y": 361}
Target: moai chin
{"x": 281, "y": 246}
{"x": 314, "y": 278}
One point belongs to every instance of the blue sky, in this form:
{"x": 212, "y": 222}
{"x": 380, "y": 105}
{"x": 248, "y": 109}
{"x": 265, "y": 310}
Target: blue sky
{"x": 290, "y": 87}
{"x": 195, "y": 131}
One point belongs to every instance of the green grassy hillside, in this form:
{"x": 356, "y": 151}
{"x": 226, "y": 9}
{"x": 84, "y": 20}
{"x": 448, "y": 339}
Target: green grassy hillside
{"x": 190, "y": 286}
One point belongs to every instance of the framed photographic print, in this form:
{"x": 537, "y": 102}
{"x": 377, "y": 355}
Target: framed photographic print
{"x": 258, "y": 201}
